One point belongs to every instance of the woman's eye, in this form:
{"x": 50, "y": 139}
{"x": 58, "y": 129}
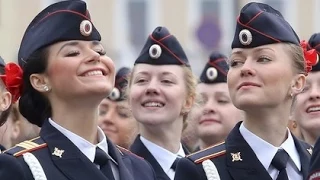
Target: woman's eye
{"x": 264, "y": 59}
{"x": 235, "y": 63}
{"x": 73, "y": 53}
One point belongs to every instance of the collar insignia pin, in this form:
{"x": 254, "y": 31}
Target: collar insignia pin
{"x": 236, "y": 156}
{"x": 57, "y": 152}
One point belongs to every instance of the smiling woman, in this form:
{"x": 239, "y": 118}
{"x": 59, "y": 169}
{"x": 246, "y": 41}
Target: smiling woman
{"x": 161, "y": 93}
{"x": 66, "y": 76}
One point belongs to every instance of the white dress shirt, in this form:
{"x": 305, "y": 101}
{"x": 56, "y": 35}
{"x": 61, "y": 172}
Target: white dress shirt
{"x": 266, "y": 151}
{"x": 164, "y": 157}
{"x": 87, "y": 148}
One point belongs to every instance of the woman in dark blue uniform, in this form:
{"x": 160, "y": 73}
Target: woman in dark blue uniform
{"x": 161, "y": 92}
{"x": 217, "y": 115}
{"x": 66, "y": 75}
{"x": 267, "y": 70}
{"x": 10, "y": 89}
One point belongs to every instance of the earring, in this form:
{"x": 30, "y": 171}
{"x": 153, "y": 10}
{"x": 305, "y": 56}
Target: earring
{"x": 46, "y": 88}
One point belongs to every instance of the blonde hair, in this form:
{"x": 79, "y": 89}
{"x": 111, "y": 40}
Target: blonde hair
{"x": 297, "y": 56}
{"x": 191, "y": 83}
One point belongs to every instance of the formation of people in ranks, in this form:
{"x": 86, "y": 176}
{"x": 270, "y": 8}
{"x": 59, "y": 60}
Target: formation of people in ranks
{"x": 251, "y": 115}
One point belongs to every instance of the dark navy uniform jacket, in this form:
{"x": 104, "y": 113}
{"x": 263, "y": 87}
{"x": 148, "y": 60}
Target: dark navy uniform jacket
{"x": 314, "y": 172}
{"x": 231, "y": 168}
{"x": 140, "y": 149}
{"x": 72, "y": 164}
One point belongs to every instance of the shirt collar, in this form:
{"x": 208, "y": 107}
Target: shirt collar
{"x": 164, "y": 157}
{"x": 87, "y": 148}
{"x": 266, "y": 151}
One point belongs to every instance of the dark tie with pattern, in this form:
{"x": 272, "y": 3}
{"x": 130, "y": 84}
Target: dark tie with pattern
{"x": 279, "y": 161}
{"x": 102, "y": 160}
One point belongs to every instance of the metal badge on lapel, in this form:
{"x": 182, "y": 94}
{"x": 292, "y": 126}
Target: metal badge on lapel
{"x": 236, "y": 156}
{"x": 310, "y": 150}
{"x": 57, "y": 152}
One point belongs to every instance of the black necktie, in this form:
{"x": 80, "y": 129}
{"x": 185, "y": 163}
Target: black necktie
{"x": 279, "y": 161}
{"x": 102, "y": 160}
{"x": 174, "y": 165}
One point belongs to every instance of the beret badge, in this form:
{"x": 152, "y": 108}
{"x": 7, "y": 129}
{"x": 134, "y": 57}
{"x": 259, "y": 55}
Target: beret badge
{"x": 212, "y": 73}
{"x": 115, "y": 94}
{"x": 85, "y": 28}
{"x": 155, "y": 51}
{"x": 245, "y": 37}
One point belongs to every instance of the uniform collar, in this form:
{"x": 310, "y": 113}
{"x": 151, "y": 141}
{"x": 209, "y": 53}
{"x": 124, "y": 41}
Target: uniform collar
{"x": 266, "y": 151}
{"x": 164, "y": 157}
{"x": 87, "y": 148}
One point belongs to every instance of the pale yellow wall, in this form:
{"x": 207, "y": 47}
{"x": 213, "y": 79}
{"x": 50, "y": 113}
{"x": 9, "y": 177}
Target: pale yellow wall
{"x": 305, "y": 19}
{"x": 13, "y": 21}
{"x": 174, "y": 17}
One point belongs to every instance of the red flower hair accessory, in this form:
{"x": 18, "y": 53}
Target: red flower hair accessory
{"x": 13, "y": 80}
{"x": 310, "y": 56}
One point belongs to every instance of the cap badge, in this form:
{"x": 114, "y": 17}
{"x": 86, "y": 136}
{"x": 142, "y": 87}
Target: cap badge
{"x": 85, "y": 28}
{"x": 115, "y": 94}
{"x": 245, "y": 37}
{"x": 212, "y": 73}
{"x": 155, "y": 51}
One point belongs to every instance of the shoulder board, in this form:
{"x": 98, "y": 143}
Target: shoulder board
{"x": 208, "y": 153}
{"x": 26, "y": 146}
{"x": 122, "y": 149}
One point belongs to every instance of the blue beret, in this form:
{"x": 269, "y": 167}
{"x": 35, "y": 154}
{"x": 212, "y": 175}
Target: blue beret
{"x": 162, "y": 48}
{"x": 314, "y": 43}
{"x": 62, "y": 21}
{"x": 215, "y": 71}
{"x": 121, "y": 82}
{"x": 259, "y": 24}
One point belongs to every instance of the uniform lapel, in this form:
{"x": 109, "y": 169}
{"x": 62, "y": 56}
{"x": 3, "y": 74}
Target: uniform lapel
{"x": 305, "y": 156}
{"x": 124, "y": 163}
{"x": 242, "y": 162}
{"x": 67, "y": 157}
{"x": 140, "y": 149}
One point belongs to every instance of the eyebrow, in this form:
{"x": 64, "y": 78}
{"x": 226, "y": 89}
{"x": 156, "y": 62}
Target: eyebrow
{"x": 238, "y": 52}
{"x": 262, "y": 49}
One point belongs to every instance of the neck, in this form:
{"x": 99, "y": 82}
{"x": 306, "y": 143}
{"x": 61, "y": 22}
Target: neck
{"x": 79, "y": 118}
{"x": 309, "y": 136}
{"x": 206, "y": 142}
{"x": 270, "y": 124}
{"x": 167, "y": 136}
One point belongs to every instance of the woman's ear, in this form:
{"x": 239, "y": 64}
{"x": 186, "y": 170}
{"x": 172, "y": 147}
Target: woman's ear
{"x": 40, "y": 82}
{"x": 298, "y": 83}
{"x": 5, "y": 100}
{"x": 188, "y": 104}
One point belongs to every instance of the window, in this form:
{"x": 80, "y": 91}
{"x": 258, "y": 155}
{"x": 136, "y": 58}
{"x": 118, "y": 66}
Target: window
{"x": 137, "y": 23}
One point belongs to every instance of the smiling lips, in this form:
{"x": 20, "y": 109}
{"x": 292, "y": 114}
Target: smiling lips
{"x": 209, "y": 120}
{"x": 247, "y": 84}
{"x": 95, "y": 72}
{"x": 152, "y": 104}
{"x": 313, "y": 108}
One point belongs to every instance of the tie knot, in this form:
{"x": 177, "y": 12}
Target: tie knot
{"x": 101, "y": 157}
{"x": 280, "y": 160}
{"x": 174, "y": 164}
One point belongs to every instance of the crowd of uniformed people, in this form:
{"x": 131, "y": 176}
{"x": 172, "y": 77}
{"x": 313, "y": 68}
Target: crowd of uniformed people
{"x": 66, "y": 113}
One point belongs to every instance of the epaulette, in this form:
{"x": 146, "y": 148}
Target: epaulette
{"x": 26, "y": 146}
{"x": 122, "y": 149}
{"x": 211, "y": 152}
